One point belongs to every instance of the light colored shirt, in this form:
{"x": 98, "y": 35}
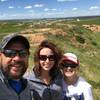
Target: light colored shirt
{"x": 81, "y": 90}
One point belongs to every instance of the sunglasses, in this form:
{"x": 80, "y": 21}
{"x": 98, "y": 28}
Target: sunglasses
{"x": 44, "y": 57}
{"x": 66, "y": 65}
{"x": 13, "y": 53}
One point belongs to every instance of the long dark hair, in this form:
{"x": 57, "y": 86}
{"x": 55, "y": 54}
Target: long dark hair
{"x": 57, "y": 53}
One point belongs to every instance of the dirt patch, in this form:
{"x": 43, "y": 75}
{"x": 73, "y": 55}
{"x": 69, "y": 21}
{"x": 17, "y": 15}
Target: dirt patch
{"x": 42, "y": 30}
{"x": 57, "y": 32}
{"x": 35, "y": 38}
{"x": 94, "y": 28}
{"x": 39, "y": 36}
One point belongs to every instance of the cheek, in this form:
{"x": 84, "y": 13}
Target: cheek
{"x": 26, "y": 61}
{"x": 42, "y": 63}
{"x": 5, "y": 61}
{"x": 52, "y": 63}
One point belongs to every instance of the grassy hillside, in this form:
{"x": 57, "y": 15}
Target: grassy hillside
{"x": 70, "y": 36}
{"x": 88, "y": 54}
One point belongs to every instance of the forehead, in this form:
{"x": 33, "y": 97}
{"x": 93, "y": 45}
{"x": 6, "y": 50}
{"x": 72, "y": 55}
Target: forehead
{"x": 46, "y": 51}
{"x": 15, "y": 45}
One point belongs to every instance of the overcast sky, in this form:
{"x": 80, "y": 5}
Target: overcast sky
{"x": 22, "y": 9}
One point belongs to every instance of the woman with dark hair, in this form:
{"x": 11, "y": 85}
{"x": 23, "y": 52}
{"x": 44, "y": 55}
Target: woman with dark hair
{"x": 46, "y": 72}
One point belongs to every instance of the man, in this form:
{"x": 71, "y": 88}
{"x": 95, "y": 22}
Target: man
{"x": 14, "y": 54}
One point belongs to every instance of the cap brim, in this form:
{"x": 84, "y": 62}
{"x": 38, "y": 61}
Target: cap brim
{"x": 70, "y": 60}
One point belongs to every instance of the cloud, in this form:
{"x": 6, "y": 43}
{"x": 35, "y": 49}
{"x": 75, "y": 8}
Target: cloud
{"x": 2, "y": 15}
{"x": 3, "y": 0}
{"x": 47, "y": 9}
{"x": 57, "y": 13}
{"x": 11, "y": 7}
{"x": 53, "y": 14}
{"x": 28, "y": 7}
{"x": 65, "y": 0}
{"x": 16, "y": 16}
{"x": 31, "y": 11}
{"x": 94, "y": 7}
{"x": 38, "y": 5}
{"x": 74, "y": 9}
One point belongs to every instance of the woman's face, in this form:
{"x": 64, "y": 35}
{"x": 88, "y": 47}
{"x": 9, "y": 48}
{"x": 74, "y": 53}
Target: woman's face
{"x": 47, "y": 59}
{"x": 70, "y": 71}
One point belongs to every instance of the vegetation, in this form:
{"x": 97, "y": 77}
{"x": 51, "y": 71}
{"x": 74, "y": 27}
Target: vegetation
{"x": 70, "y": 36}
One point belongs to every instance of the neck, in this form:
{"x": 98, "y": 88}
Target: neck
{"x": 71, "y": 80}
{"x": 45, "y": 77}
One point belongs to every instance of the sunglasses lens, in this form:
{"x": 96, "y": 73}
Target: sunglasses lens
{"x": 69, "y": 65}
{"x": 44, "y": 57}
{"x": 9, "y": 53}
{"x": 23, "y": 53}
{"x": 13, "y": 53}
{"x": 51, "y": 57}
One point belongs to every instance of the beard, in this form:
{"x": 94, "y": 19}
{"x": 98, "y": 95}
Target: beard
{"x": 21, "y": 66}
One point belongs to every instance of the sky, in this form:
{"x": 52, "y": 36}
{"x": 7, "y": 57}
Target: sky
{"x": 35, "y": 9}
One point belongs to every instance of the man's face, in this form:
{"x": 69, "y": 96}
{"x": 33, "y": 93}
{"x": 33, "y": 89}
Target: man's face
{"x": 14, "y": 66}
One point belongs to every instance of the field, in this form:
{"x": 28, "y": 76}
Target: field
{"x": 78, "y": 35}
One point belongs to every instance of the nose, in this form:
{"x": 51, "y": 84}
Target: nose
{"x": 17, "y": 57}
{"x": 68, "y": 67}
{"x": 47, "y": 60}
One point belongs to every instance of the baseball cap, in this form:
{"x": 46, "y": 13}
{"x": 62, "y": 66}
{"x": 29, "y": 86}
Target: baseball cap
{"x": 71, "y": 57}
{"x": 12, "y": 37}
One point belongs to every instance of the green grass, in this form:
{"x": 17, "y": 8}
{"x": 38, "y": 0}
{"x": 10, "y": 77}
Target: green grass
{"x": 83, "y": 21}
{"x": 86, "y": 45}
{"x": 89, "y": 55}
{"x": 10, "y": 27}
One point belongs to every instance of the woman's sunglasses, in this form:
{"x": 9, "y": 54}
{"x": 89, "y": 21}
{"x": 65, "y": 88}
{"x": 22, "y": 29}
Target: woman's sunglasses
{"x": 13, "y": 53}
{"x": 66, "y": 65}
{"x": 45, "y": 57}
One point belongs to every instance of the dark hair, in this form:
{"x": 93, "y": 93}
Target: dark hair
{"x": 57, "y": 53}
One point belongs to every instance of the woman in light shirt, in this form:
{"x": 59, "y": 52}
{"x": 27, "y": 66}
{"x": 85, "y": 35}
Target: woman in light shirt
{"x": 74, "y": 86}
